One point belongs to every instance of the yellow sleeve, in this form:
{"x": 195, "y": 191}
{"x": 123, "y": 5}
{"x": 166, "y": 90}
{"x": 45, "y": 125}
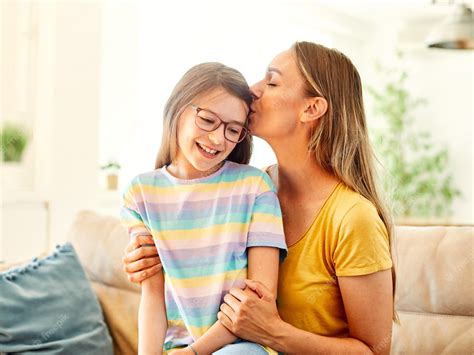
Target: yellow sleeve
{"x": 362, "y": 243}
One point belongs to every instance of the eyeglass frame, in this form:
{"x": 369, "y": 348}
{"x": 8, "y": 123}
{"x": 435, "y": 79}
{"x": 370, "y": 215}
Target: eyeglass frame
{"x": 222, "y": 122}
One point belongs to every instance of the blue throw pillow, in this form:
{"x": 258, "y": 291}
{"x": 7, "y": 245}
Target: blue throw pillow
{"x": 48, "y": 306}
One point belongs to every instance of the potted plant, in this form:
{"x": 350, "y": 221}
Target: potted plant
{"x": 416, "y": 173}
{"x": 111, "y": 169}
{"x": 13, "y": 142}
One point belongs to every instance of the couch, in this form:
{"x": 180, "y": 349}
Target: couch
{"x": 434, "y": 299}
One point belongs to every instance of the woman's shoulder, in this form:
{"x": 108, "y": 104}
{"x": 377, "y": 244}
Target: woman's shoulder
{"x": 350, "y": 206}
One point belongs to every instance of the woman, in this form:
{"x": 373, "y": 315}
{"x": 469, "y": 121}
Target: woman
{"x": 336, "y": 286}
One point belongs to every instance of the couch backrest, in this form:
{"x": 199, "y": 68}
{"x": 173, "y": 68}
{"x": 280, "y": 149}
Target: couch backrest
{"x": 434, "y": 296}
{"x": 100, "y": 242}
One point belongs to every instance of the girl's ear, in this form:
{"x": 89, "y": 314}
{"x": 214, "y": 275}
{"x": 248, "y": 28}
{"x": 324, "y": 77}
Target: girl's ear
{"x": 315, "y": 108}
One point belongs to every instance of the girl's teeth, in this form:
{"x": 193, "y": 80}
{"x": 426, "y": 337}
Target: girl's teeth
{"x": 210, "y": 151}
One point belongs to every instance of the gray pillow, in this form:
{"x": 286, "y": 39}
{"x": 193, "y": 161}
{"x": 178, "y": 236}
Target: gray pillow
{"x": 48, "y": 306}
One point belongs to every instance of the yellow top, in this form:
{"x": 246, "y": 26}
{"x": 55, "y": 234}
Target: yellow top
{"x": 347, "y": 238}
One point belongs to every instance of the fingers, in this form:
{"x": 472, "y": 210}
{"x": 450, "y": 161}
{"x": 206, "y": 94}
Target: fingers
{"x": 232, "y": 302}
{"x": 131, "y": 246}
{"x": 260, "y": 289}
{"x": 254, "y": 286}
{"x": 225, "y": 320}
{"x": 144, "y": 239}
{"x": 239, "y": 294}
{"x": 139, "y": 276}
{"x": 228, "y": 311}
{"x": 140, "y": 253}
{"x": 141, "y": 264}
{"x": 138, "y": 241}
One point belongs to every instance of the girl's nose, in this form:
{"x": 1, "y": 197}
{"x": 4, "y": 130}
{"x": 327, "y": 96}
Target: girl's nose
{"x": 217, "y": 136}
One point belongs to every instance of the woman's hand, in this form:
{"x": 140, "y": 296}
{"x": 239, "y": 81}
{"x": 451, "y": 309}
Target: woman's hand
{"x": 251, "y": 314}
{"x": 141, "y": 259}
{"x": 185, "y": 351}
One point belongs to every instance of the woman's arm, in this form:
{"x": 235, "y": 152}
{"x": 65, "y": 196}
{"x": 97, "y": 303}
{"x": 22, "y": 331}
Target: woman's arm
{"x": 367, "y": 302}
{"x": 262, "y": 267}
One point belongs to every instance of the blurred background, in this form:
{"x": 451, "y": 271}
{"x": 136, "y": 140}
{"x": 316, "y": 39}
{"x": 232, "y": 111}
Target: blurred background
{"x": 83, "y": 84}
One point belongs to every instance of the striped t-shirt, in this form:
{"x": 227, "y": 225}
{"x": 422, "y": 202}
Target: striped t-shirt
{"x": 202, "y": 229}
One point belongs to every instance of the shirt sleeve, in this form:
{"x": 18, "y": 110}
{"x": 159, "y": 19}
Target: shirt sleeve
{"x": 130, "y": 215}
{"x": 266, "y": 226}
{"x": 362, "y": 247}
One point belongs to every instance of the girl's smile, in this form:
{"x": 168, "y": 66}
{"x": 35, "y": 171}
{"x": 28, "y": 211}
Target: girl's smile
{"x": 207, "y": 151}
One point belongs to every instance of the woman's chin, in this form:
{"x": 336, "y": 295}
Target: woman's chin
{"x": 255, "y": 131}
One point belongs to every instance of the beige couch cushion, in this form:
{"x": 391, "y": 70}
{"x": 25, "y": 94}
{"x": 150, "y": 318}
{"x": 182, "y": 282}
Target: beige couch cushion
{"x": 425, "y": 333}
{"x": 100, "y": 243}
{"x": 435, "y": 296}
{"x": 120, "y": 308}
{"x": 435, "y": 270}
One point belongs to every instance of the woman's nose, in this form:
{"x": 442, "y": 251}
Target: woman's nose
{"x": 255, "y": 91}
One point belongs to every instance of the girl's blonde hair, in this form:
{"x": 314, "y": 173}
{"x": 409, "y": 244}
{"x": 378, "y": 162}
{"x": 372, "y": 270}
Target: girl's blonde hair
{"x": 197, "y": 81}
{"x": 340, "y": 141}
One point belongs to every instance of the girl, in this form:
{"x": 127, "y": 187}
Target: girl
{"x": 215, "y": 222}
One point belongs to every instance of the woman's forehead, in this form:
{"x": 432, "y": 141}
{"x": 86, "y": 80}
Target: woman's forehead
{"x": 283, "y": 62}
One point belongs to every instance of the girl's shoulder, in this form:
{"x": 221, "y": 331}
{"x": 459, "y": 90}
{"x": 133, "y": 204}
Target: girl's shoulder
{"x": 250, "y": 173}
{"x": 153, "y": 177}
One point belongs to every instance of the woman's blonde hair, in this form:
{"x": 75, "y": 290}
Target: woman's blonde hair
{"x": 197, "y": 81}
{"x": 340, "y": 141}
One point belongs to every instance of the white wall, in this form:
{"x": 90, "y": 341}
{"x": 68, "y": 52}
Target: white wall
{"x": 119, "y": 105}
{"x": 76, "y": 116}
{"x": 68, "y": 109}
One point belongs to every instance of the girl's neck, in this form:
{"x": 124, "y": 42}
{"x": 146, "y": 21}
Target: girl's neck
{"x": 185, "y": 171}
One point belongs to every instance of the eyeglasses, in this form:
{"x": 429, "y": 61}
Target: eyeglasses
{"x": 208, "y": 121}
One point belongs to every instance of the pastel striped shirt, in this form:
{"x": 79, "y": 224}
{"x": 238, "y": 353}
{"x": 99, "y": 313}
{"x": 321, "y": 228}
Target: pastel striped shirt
{"x": 202, "y": 229}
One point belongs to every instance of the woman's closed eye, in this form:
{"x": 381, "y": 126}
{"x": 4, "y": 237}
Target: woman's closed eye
{"x": 271, "y": 84}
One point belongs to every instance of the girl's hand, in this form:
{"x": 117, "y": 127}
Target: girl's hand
{"x": 141, "y": 259}
{"x": 185, "y": 351}
{"x": 251, "y": 314}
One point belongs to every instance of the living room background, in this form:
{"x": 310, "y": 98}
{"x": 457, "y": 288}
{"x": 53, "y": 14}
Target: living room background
{"x": 92, "y": 91}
